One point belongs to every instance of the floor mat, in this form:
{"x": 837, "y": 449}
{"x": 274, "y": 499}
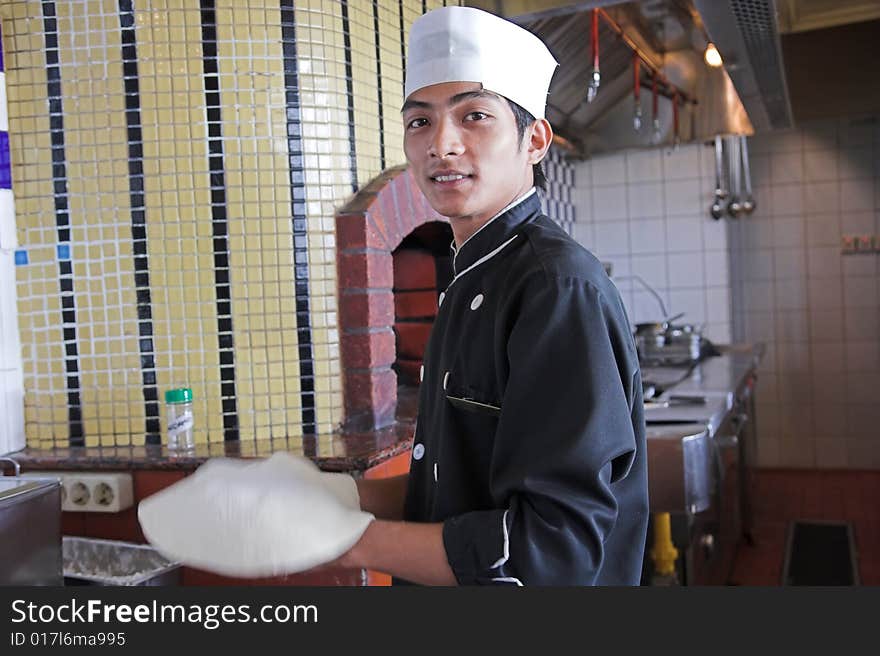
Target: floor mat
{"x": 820, "y": 553}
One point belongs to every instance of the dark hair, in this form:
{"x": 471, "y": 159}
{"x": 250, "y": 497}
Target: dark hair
{"x": 523, "y": 120}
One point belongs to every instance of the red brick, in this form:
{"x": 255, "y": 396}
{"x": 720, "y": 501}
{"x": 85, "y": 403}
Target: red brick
{"x": 412, "y": 338}
{"x": 355, "y": 231}
{"x": 370, "y": 396}
{"x": 414, "y": 269}
{"x": 365, "y": 350}
{"x": 415, "y": 305}
{"x": 366, "y": 309}
{"x": 365, "y": 270}
{"x": 387, "y": 216}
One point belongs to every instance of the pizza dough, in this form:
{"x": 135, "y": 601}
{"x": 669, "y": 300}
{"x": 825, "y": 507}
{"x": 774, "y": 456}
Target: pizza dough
{"x": 255, "y": 518}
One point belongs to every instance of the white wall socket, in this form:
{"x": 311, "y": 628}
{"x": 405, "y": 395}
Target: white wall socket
{"x": 91, "y": 491}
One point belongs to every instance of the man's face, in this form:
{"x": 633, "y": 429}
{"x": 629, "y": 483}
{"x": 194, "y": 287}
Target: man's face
{"x": 464, "y": 151}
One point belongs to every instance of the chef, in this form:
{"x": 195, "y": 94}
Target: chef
{"x": 529, "y": 460}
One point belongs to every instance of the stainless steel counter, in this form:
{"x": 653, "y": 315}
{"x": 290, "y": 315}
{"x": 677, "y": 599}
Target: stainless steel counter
{"x": 701, "y": 431}
{"x": 696, "y": 415}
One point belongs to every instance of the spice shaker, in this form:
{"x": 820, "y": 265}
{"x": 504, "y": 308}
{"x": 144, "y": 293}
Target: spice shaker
{"x": 179, "y": 419}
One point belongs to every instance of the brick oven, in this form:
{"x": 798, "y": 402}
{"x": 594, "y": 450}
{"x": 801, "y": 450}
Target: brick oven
{"x": 393, "y": 261}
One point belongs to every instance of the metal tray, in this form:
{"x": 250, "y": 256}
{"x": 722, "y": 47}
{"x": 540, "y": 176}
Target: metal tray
{"x": 90, "y": 561}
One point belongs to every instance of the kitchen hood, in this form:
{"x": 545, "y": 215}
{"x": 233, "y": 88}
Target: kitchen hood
{"x": 670, "y": 40}
{"x": 783, "y": 62}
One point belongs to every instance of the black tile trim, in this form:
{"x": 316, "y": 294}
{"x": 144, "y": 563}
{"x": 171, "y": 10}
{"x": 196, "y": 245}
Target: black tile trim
{"x": 217, "y": 168}
{"x": 402, "y": 43}
{"x": 379, "y": 87}
{"x": 152, "y": 429}
{"x": 62, "y": 223}
{"x": 298, "y": 212}
{"x": 349, "y": 93}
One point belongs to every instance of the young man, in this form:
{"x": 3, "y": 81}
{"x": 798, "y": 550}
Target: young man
{"x": 529, "y": 461}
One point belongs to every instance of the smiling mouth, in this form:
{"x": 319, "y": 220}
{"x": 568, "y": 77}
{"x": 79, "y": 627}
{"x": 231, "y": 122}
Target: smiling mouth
{"x": 449, "y": 177}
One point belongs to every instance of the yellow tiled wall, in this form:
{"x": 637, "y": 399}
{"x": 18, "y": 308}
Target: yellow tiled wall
{"x": 267, "y": 340}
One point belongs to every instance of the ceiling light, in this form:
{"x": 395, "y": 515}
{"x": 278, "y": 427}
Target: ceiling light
{"x": 712, "y": 56}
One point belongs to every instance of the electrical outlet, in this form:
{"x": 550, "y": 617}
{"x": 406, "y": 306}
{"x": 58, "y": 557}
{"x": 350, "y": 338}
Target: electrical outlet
{"x": 92, "y": 491}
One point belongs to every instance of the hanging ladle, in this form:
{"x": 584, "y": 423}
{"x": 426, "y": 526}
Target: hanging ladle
{"x": 748, "y": 203}
{"x": 734, "y": 205}
{"x": 717, "y": 209}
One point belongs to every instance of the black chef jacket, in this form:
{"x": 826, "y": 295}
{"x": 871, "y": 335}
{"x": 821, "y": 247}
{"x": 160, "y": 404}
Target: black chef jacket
{"x": 530, "y": 438}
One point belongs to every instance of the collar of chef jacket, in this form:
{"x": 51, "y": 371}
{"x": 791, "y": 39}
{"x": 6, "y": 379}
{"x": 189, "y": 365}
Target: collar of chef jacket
{"x": 495, "y": 231}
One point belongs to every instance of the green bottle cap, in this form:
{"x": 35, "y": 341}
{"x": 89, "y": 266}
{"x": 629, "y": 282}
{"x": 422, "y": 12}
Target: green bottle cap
{"x": 179, "y": 395}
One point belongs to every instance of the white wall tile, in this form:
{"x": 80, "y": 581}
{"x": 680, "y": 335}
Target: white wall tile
{"x": 863, "y": 356}
{"x": 863, "y": 388}
{"x": 860, "y": 292}
{"x": 718, "y": 305}
{"x": 651, "y": 268}
{"x": 714, "y": 235}
{"x": 823, "y": 230}
{"x": 685, "y": 271}
{"x": 643, "y": 166}
{"x": 786, "y": 167}
{"x": 857, "y": 163}
{"x": 862, "y": 454}
{"x": 645, "y": 200}
{"x": 647, "y": 236}
{"x": 856, "y": 196}
{"x": 684, "y": 234}
{"x": 829, "y": 388}
{"x": 792, "y": 325}
{"x": 609, "y": 169}
{"x": 584, "y": 235}
{"x": 784, "y": 140}
{"x": 685, "y": 198}
{"x": 683, "y": 163}
{"x": 788, "y": 232}
{"x": 646, "y": 308}
{"x": 609, "y": 203}
{"x": 825, "y": 325}
{"x": 760, "y": 326}
{"x": 854, "y": 266}
{"x": 791, "y": 294}
{"x": 823, "y": 262}
{"x": 759, "y": 296}
{"x": 758, "y": 264}
{"x": 787, "y": 200}
{"x": 859, "y": 223}
{"x": 760, "y": 169}
{"x": 825, "y": 293}
{"x": 611, "y": 237}
{"x": 827, "y": 358}
{"x": 690, "y": 301}
{"x": 822, "y": 197}
{"x": 790, "y": 263}
{"x": 831, "y": 452}
{"x": 718, "y": 333}
{"x": 830, "y": 418}
{"x": 717, "y": 268}
{"x": 861, "y": 323}
{"x": 820, "y": 165}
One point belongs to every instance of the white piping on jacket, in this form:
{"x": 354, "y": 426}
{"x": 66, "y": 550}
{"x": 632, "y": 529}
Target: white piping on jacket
{"x": 509, "y": 579}
{"x": 481, "y": 260}
{"x": 506, "y": 550}
{"x": 456, "y": 251}
{"x": 503, "y": 559}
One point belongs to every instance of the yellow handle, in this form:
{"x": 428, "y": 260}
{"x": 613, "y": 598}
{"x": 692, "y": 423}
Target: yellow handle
{"x": 663, "y": 553}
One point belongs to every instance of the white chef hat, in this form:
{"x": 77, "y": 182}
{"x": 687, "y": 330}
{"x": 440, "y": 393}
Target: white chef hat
{"x": 463, "y": 44}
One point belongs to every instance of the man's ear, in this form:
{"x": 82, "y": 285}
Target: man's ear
{"x": 540, "y": 138}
